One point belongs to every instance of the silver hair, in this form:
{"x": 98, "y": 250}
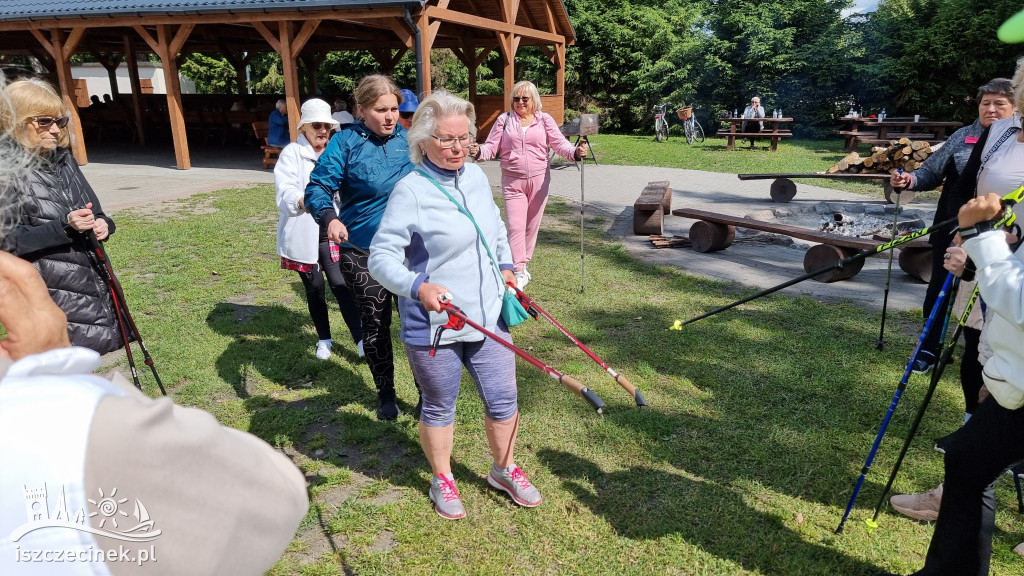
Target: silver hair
{"x": 432, "y": 109}
{"x": 531, "y": 90}
{"x": 15, "y": 164}
{"x": 1018, "y": 83}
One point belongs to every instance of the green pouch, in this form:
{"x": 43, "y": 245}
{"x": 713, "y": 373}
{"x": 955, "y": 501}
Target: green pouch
{"x": 512, "y": 311}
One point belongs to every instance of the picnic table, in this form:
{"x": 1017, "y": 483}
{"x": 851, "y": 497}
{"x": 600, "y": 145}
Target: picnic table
{"x": 771, "y": 131}
{"x": 872, "y": 131}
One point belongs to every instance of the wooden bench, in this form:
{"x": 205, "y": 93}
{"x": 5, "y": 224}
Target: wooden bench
{"x": 270, "y": 153}
{"x": 852, "y": 137}
{"x": 654, "y": 203}
{"x": 714, "y": 231}
{"x": 923, "y": 136}
{"x": 773, "y": 136}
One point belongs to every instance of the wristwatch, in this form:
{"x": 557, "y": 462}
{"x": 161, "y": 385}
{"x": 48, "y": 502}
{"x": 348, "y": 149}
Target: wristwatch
{"x": 972, "y": 231}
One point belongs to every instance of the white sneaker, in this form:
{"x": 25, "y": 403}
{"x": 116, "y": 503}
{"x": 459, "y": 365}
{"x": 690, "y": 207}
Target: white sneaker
{"x": 359, "y": 348}
{"x": 522, "y": 278}
{"x": 323, "y": 349}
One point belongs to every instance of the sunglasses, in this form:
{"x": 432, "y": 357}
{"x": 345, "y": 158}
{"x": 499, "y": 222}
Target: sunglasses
{"x": 321, "y": 125}
{"x": 521, "y": 99}
{"x": 44, "y": 122}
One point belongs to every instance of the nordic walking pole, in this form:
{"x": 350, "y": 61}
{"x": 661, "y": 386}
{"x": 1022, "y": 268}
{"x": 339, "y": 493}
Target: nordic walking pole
{"x": 122, "y": 307}
{"x": 583, "y": 164}
{"x": 567, "y": 381}
{"x": 838, "y": 265}
{"x": 939, "y": 304}
{"x": 1007, "y": 219}
{"x": 533, "y": 308}
{"x": 888, "y": 273}
{"x": 940, "y": 367}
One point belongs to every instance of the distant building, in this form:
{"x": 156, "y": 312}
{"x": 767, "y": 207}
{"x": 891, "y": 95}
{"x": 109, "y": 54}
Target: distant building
{"x": 151, "y": 76}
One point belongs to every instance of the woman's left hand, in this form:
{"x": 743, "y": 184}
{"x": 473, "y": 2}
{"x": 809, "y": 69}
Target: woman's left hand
{"x": 430, "y": 296}
{"x": 955, "y": 260}
{"x": 509, "y": 276}
{"x": 101, "y": 229}
{"x": 473, "y": 150}
{"x": 582, "y": 151}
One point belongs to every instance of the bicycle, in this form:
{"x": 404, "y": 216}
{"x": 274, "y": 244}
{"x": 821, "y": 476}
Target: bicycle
{"x": 660, "y": 122}
{"x": 691, "y": 128}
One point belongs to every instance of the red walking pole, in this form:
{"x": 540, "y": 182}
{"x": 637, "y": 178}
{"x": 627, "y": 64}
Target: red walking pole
{"x": 457, "y": 317}
{"x": 531, "y": 306}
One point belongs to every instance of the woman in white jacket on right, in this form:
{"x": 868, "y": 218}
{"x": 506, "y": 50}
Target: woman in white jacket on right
{"x": 302, "y": 245}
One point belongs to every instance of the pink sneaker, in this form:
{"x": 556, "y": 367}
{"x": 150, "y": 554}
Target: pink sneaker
{"x": 446, "y": 499}
{"x": 516, "y": 484}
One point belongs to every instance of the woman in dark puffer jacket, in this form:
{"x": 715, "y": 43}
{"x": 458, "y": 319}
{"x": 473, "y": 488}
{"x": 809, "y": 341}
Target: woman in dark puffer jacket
{"x": 59, "y": 213}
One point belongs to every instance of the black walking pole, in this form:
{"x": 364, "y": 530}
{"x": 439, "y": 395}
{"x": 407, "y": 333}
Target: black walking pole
{"x": 940, "y": 367}
{"x": 124, "y": 316}
{"x": 939, "y": 303}
{"x": 880, "y": 344}
{"x": 838, "y": 265}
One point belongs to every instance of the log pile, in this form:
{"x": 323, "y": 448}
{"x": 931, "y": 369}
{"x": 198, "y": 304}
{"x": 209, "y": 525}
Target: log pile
{"x": 903, "y": 153}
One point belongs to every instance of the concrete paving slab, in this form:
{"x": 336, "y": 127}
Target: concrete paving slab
{"x": 124, "y": 178}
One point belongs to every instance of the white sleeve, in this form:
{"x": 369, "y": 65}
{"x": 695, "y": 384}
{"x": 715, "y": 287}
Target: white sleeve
{"x": 1000, "y": 275}
{"x": 290, "y": 180}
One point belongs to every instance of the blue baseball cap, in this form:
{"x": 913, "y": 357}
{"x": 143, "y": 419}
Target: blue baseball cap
{"x": 409, "y": 101}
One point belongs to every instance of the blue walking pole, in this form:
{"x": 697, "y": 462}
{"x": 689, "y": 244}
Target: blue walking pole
{"x": 939, "y": 306}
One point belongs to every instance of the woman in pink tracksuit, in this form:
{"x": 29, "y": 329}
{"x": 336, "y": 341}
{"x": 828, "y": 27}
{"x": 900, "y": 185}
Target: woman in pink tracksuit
{"x": 522, "y": 138}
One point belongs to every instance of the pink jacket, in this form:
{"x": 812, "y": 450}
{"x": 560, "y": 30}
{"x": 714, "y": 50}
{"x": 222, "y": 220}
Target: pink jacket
{"x": 525, "y": 155}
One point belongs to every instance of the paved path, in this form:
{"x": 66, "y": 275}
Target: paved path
{"x": 150, "y": 176}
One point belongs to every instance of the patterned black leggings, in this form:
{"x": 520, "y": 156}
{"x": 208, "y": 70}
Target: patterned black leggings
{"x": 374, "y": 304}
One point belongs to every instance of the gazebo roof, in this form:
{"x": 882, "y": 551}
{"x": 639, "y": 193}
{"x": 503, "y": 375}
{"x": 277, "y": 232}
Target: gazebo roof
{"x": 59, "y": 9}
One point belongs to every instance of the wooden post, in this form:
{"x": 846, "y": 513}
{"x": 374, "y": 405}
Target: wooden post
{"x": 61, "y": 49}
{"x": 167, "y": 44}
{"x": 132, "y": 62}
{"x": 288, "y": 46}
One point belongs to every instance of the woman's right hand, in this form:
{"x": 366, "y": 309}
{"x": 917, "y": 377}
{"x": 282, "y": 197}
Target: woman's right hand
{"x": 82, "y": 219}
{"x": 899, "y": 179}
{"x": 955, "y": 260}
{"x": 336, "y": 232}
{"x": 430, "y": 296}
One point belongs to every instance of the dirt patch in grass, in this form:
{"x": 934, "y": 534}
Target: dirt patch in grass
{"x": 174, "y": 209}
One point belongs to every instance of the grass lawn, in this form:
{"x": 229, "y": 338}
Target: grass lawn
{"x": 759, "y": 420}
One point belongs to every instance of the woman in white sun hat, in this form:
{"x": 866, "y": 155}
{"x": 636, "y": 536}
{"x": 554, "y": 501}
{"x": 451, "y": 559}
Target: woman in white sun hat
{"x": 301, "y": 243}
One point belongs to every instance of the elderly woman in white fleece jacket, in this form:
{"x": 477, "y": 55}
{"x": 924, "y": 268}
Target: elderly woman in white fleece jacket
{"x": 426, "y": 247}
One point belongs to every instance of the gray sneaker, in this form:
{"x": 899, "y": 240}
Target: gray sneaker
{"x": 923, "y": 507}
{"x": 446, "y": 499}
{"x": 516, "y": 484}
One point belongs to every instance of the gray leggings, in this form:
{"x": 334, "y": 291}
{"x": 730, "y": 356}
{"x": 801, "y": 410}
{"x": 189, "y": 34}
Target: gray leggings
{"x": 491, "y": 365}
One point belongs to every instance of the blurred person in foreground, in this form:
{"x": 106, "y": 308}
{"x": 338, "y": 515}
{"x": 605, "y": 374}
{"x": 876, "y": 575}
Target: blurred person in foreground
{"x": 301, "y": 242}
{"x": 95, "y": 477}
{"x": 427, "y": 247}
{"x": 60, "y": 218}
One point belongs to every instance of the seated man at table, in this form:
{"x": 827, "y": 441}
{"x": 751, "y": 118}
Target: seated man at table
{"x": 753, "y": 111}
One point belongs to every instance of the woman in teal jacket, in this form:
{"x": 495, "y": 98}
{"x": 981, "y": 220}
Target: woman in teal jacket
{"x": 360, "y": 166}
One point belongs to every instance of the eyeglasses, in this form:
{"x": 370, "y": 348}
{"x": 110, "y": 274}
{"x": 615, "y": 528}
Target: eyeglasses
{"x": 405, "y": 115}
{"x": 321, "y": 125}
{"x": 523, "y": 99}
{"x": 447, "y": 143}
{"x": 44, "y": 122}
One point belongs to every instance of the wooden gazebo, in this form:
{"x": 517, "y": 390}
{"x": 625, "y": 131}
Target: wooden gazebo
{"x": 299, "y": 30}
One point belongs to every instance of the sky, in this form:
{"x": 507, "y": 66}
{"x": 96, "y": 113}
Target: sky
{"x": 861, "y": 6}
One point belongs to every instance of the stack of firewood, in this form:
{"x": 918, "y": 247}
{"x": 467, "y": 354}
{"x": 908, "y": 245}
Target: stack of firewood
{"x": 903, "y": 153}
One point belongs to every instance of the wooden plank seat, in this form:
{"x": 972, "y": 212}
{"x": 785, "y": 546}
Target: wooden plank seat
{"x": 714, "y": 231}
{"x": 654, "y": 202}
{"x": 270, "y": 153}
{"x": 774, "y": 137}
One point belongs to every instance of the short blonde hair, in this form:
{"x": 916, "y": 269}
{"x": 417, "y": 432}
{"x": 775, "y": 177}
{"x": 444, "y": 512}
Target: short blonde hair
{"x": 1018, "y": 83}
{"x": 28, "y": 99}
{"x": 440, "y": 105}
{"x": 15, "y": 164}
{"x": 372, "y": 87}
{"x": 531, "y": 91}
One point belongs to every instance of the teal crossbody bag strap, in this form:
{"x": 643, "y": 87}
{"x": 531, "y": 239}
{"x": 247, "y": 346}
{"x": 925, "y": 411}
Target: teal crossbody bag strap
{"x": 480, "y": 233}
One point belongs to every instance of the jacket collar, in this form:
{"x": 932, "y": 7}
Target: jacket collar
{"x": 306, "y": 149}
{"x": 442, "y": 173}
{"x": 368, "y": 134}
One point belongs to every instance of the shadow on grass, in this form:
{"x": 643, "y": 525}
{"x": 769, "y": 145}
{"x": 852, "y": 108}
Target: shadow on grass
{"x": 646, "y": 504}
{"x": 755, "y": 393}
{"x": 272, "y": 340}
